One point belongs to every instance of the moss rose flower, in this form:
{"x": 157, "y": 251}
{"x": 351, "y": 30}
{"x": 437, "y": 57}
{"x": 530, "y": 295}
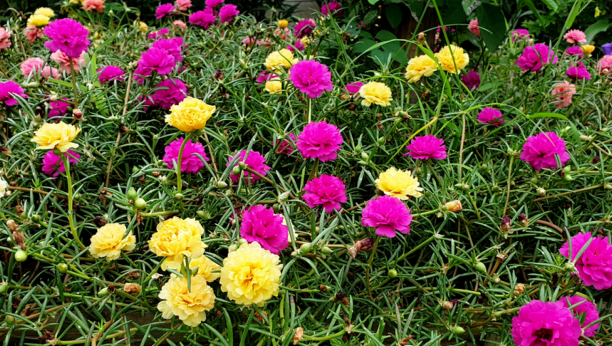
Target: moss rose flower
{"x": 52, "y": 164}
{"x": 8, "y": 88}
{"x": 188, "y": 305}
{"x": 535, "y": 56}
{"x": 550, "y": 324}
{"x": 168, "y": 93}
{"x": 110, "y": 73}
{"x": 491, "y": 116}
{"x": 387, "y": 214}
{"x": 541, "y": 150}
{"x": 190, "y": 162}
{"x": 327, "y": 191}
{"x": 260, "y": 224}
{"x": 311, "y": 78}
{"x": 67, "y": 35}
{"x": 595, "y": 264}
{"x": 376, "y": 93}
{"x": 304, "y": 28}
{"x": 176, "y": 238}
{"x": 587, "y": 308}
{"x": 190, "y": 114}
{"x": 397, "y": 183}
{"x": 320, "y": 140}
{"x": 420, "y": 66}
{"x": 427, "y": 147}
{"x": 227, "y": 13}
{"x": 452, "y": 58}
{"x": 110, "y": 240}
{"x": 163, "y": 10}
{"x": 56, "y": 136}
{"x": 255, "y": 161}
{"x": 207, "y": 269}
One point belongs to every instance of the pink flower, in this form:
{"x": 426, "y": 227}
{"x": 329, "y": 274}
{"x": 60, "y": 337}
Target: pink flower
{"x": 180, "y": 24}
{"x": 52, "y": 164}
{"x": 427, "y": 147}
{"x": 169, "y": 92}
{"x": 595, "y": 264}
{"x": 574, "y": 50}
{"x": 353, "y": 88}
{"x": 8, "y": 88}
{"x": 540, "y": 151}
{"x": 48, "y": 71}
{"x": 58, "y": 108}
{"x": 332, "y": 8}
{"x": 64, "y": 61}
{"x": 228, "y": 13}
{"x": 267, "y": 42}
{"x": 578, "y": 71}
{"x": 311, "y": 78}
{"x": 261, "y": 225}
{"x": 471, "y": 79}
{"x": 202, "y": 18}
{"x": 388, "y": 214}
{"x": 32, "y": 33}
{"x": 91, "y": 5}
{"x": 183, "y": 5}
{"x": 473, "y": 27}
{"x": 491, "y": 116}
{"x": 298, "y": 44}
{"x": 520, "y": 34}
{"x": 31, "y": 64}
{"x": 304, "y": 28}
{"x": 110, "y": 73}
{"x": 67, "y": 35}
{"x": 545, "y": 324}
{"x": 254, "y": 161}
{"x": 161, "y": 33}
{"x": 265, "y": 76}
{"x": 588, "y": 309}
{"x": 535, "y": 56}
{"x": 190, "y": 162}
{"x": 604, "y": 65}
{"x": 249, "y": 41}
{"x": 172, "y": 45}
{"x": 155, "y": 59}
{"x": 213, "y": 3}
{"x": 283, "y": 33}
{"x": 320, "y": 140}
{"x": 163, "y": 10}
{"x": 564, "y": 92}
{"x": 5, "y": 38}
{"x": 286, "y": 147}
{"x": 575, "y": 36}
{"x": 327, "y": 191}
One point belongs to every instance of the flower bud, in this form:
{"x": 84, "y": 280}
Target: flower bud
{"x": 21, "y": 256}
{"x": 103, "y": 292}
{"x": 392, "y": 273}
{"x": 232, "y": 248}
{"x": 541, "y": 191}
{"x": 358, "y": 149}
{"x": 364, "y": 244}
{"x": 533, "y": 180}
{"x": 505, "y": 224}
{"x": 326, "y": 250}
{"x": 140, "y": 204}
{"x": 132, "y": 288}
{"x": 276, "y": 207}
{"x": 283, "y": 24}
{"x": 353, "y": 252}
{"x": 523, "y": 220}
{"x": 483, "y": 167}
{"x": 242, "y": 165}
{"x": 479, "y": 266}
{"x": 365, "y": 156}
{"x": 568, "y": 177}
{"x": 9, "y": 320}
{"x": 305, "y": 248}
{"x": 62, "y": 268}
{"x": 381, "y": 140}
{"x": 179, "y": 196}
{"x": 132, "y": 194}
{"x": 4, "y": 287}
{"x": 35, "y": 218}
{"x": 221, "y": 184}
{"x": 457, "y": 330}
{"x": 236, "y": 170}
{"x": 242, "y": 241}
{"x": 284, "y": 196}
{"x": 77, "y": 113}
{"x": 454, "y": 206}
{"x": 519, "y": 289}
{"x": 569, "y": 267}
{"x": 447, "y": 305}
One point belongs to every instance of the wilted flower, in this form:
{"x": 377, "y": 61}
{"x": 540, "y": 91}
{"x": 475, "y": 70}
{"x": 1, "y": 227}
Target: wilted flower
{"x": 388, "y": 215}
{"x": 563, "y": 92}
{"x": 67, "y": 35}
{"x": 311, "y": 78}
{"x": 506, "y": 224}
{"x": 473, "y": 27}
{"x": 56, "y": 136}
{"x": 190, "y": 305}
{"x": 491, "y": 116}
{"x": 535, "y": 56}
{"x": 542, "y": 150}
{"x": 260, "y": 224}
{"x": 110, "y": 240}
{"x": 190, "y": 114}
{"x": 255, "y": 161}
{"x": 523, "y": 220}
{"x": 52, "y": 164}
{"x": 452, "y": 58}
{"x": 575, "y": 36}
{"x": 420, "y": 66}
{"x": 176, "y": 238}
{"x": 320, "y": 140}
{"x": 376, "y": 93}
{"x": 427, "y": 147}
{"x": 190, "y": 162}
{"x": 327, "y": 191}
{"x": 453, "y": 206}
{"x": 398, "y": 183}
{"x": 364, "y": 244}
{"x": 163, "y": 10}
{"x": 588, "y": 309}
{"x": 595, "y": 264}
{"x": 550, "y": 324}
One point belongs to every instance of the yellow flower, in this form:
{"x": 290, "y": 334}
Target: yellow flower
{"x": 110, "y": 240}
{"x": 446, "y": 59}
{"x": 376, "y": 93}
{"x": 177, "y": 237}
{"x": 305, "y": 41}
{"x": 45, "y": 11}
{"x": 283, "y": 23}
{"x": 398, "y": 183}
{"x": 597, "y": 12}
{"x": 273, "y": 86}
{"x": 190, "y": 115}
{"x": 280, "y": 59}
{"x": 206, "y": 267}
{"x": 38, "y": 20}
{"x": 587, "y": 49}
{"x": 143, "y": 27}
{"x": 250, "y": 275}
{"x": 56, "y": 136}
{"x": 420, "y": 66}
{"x": 178, "y": 301}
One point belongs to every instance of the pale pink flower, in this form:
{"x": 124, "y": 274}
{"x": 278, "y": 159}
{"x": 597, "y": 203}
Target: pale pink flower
{"x": 5, "y": 38}
{"x": 31, "y": 66}
{"x": 183, "y": 5}
{"x": 180, "y": 24}
{"x": 64, "y": 61}
{"x": 91, "y": 5}
{"x": 32, "y": 33}
{"x": 564, "y": 92}
{"x": 575, "y": 36}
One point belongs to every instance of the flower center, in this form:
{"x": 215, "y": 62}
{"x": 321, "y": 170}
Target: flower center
{"x": 544, "y": 334}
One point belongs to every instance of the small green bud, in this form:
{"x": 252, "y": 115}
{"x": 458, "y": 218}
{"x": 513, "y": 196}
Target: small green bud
{"x": 457, "y": 330}
{"x": 77, "y": 197}
{"x": 232, "y": 248}
{"x": 484, "y": 167}
{"x": 392, "y": 273}
{"x": 365, "y": 156}
{"x": 358, "y": 149}
{"x": 35, "y": 218}
{"x": 4, "y": 287}
{"x": 23, "y": 216}
{"x": 10, "y": 320}
{"x": 135, "y": 169}
{"x": 326, "y": 251}
{"x": 381, "y": 140}
{"x": 132, "y": 194}
{"x": 567, "y": 169}
{"x": 221, "y": 184}
{"x": 534, "y": 180}
{"x": 479, "y": 266}
{"x": 62, "y": 268}
{"x": 305, "y": 248}
{"x": 21, "y": 256}
{"x": 140, "y": 203}
{"x": 103, "y": 292}
{"x": 179, "y": 196}
{"x": 276, "y": 207}
{"x": 236, "y": 170}
{"x": 284, "y": 196}
{"x": 570, "y": 267}
{"x": 242, "y": 165}
{"x": 242, "y": 241}
{"x": 568, "y": 177}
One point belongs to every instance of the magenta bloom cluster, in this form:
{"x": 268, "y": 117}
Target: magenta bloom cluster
{"x": 595, "y": 264}
{"x": 578, "y": 71}
{"x": 541, "y": 151}
{"x": 535, "y": 56}
{"x": 388, "y": 215}
{"x": 320, "y": 141}
{"x": 332, "y": 8}
{"x": 53, "y": 165}
{"x": 304, "y": 28}
{"x": 168, "y": 92}
{"x": 265, "y": 76}
{"x": 190, "y": 162}
{"x": 520, "y": 34}
{"x": 471, "y": 80}
{"x": 254, "y": 161}
{"x": 327, "y": 191}
{"x": 588, "y": 309}
{"x": 491, "y": 116}
{"x": 353, "y": 88}
{"x": 58, "y": 108}
{"x": 227, "y": 13}
{"x": 298, "y": 44}
{"x": 311, "y": 78}
{"x": 286, "y": 147}
{"x": 174, "y": 47}
{"x": 260, "y": 224}
{"x": 204, "y": 18}
{"x": 163, "y": 10}
{"x": 155, "y": 59}
{"x": 545, "y": 324}
{"x": 67, "y": 35}
{"x": 8, "y": 88}
{"x": 427, "y": 147}
{"x": 110, "y": 73}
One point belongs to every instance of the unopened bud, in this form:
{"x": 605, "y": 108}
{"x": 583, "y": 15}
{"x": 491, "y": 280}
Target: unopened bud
{"x": 221, "y": 184}
{"x": 568, "y": 177}
{"x": 326, "y": 250}
{"x": 358, "y": 149}
{"x": 242, "y": 165}
{"x": 541, "y": 191}
{"x": 103, "y": 292}
{"x": 479, "y": 266}
{"x": 519, "y": 289}
{"x": 140, "y": 204}
{"x": 232, "y": 248}
{"x": 21, "y": 256}
{"x": 365, "y": 156}
{"x": 242, "y": 241}
{"x": 4, "y": 287}
{"x": 283, "y": 196}
{"x": 364, "y": 244}
{"x": 392, "y": 273}
{"x": 381, "y": 140}
{"x": 179, "y": 196}
{"x": 62, "y": 268}
{"x": 353, "y": 252}
{"x": 458, "y": 330}
{"x": 454, "y": 206}
{"x": 505, "y": 224}
{"x": 236, "y": 170}
{"x": 9, "y": 320}
{"x": 570, "y": 267}
{"x": 77, "y": 113}
{"x": 447, "y": 305}
{"x": 305, "y": 248}
{"x": 523, "y": 220}
{"x": 132, "y": 194}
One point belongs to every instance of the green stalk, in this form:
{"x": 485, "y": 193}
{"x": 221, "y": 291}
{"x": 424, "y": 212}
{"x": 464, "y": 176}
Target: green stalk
{"x": 70, "y": 199}
{"x": 74, "y": 84}
{"x": 179, "y": 183}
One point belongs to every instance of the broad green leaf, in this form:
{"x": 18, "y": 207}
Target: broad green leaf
{"x": 533, "y": 9}
{"x": 394, "y": 15}
{"x": 573, "y": 14}
{"x": 373, "y": 2}
{"x": 552, "y": 5}
{"x": 596, "y": 28}
{"x": 492, "y": 25}
{"x": 363, "y": 45}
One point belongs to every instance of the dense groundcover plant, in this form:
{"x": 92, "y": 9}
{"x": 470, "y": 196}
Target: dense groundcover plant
{"x": 208, "y": 179}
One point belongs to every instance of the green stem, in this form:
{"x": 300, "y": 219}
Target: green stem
{"x": 324, "y": 338}
{"x": 179, "y": 183}
{"x": 70, "y": 198}
{"x": 369, "y": 266}
{"x": 415, "y": 249}
{"x": 74, "y": 84}
{"x": 508, "y": 189}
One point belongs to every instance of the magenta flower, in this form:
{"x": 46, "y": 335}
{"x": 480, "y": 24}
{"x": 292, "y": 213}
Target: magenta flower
{"x": 154, "y": 59}
{"x": 311, "y": 78}
{"x": 58, "y": 108}
{"x": 265, "y": 76}
{"x": 190, "y": 162}
{"x": 540, "y": 151}
{"x": 161, "y": 33}
{"x": 588, "y": 309}
{"x": 52, "y": 164}
{"x": 110, "y": 73}
{"x": 169, "y": 92}
{"x": 254, "y": 161}
{"x": 67, "y": 35}
{"x": 353, "y": 88}
{"x": 332, "y": 8}
{"x": 545, "y": 324}
{"x": 202, "y": 18}
{"x": 163, "y": 10}
{"x": 298, "y": 44}
{"x": 595, "y": 264}
{"x": 173, "y": 46}
{"x": 214, "y": 3}
{"x": 304, "y": 28}
{"x": 578, "y": 71}
{"x": 388, "y": 214}
{"x": 320, "y": 140}
{"x": 7, "y": 89}
{"x": 327, "y": 191}
{"x": 535, "y": 56}
{"x": 471, "y": 79}
{"x": 427, "y": 147}
{"x": 575, "y": 36}
{"x": 227, "y": 13}
{"x": 520, "y": 34}
{"x": 491, "y": 116}
{"x": 574, "y": 50}
{"x": 286, "y": 147}
{"x": 261, "y": 225}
